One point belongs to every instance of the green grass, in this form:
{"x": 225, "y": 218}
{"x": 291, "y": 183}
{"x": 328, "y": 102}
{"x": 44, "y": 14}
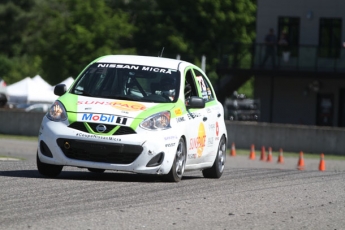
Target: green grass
{"x": 244, "y": 152}
{"x": 18, "y": 137}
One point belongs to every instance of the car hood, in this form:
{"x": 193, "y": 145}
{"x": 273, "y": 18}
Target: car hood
{"x": 90, "y": 107}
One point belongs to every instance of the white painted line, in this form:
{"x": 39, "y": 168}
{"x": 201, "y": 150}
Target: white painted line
{"x": 8, "y": 159}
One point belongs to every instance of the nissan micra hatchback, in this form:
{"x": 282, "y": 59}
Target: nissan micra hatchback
{"x": 137, "y": 114}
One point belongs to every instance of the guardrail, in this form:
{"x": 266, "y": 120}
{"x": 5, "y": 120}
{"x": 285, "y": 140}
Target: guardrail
{"x": 294, "y": 138}
{"x": 309, "y": 139}
{"x": 17, "y": 122}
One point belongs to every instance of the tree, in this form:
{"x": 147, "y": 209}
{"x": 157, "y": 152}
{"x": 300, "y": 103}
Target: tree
{"x": 192, "y": 28}
{"x": 14, "y": 20}
{"x": 76, "y": 32}
{"x": 247, "y": 88}
{"x": 57, "y": 38}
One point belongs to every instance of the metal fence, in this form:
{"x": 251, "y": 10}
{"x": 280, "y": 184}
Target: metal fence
{"x": 301, "y": 58}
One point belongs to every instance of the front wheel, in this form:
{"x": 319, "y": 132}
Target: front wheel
{"x": 177, "y": 169}
{"x": 48, "y": 170}
{"x": 218, "y": 166}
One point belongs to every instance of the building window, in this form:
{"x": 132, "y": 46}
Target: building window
{"x": 289, "y": 26}
{"x": 330, "y": 37}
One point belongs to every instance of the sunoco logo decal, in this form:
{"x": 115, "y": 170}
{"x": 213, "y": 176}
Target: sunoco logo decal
{"x": 121, "y": 105}
{"x": 199, "y": 142}
{"x": 128, "y": 106}
{"x": 178, "y": 112}
{"x": 217, "y": 129}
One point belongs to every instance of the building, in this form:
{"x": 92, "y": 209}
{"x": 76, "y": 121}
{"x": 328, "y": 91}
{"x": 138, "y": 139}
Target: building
{"x": 304, "y": 82}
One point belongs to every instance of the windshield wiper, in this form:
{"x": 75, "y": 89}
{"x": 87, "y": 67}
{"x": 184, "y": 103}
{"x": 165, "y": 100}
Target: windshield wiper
{"x": 120, "y": 97}
{"x": 83, "y": 93}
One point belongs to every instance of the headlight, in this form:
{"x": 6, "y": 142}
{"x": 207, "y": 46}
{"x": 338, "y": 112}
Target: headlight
{"x": 157, "y": 121}
{"x": 57, "y": 112}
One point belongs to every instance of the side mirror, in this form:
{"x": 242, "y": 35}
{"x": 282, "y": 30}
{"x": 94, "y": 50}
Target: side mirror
{"x": 60, "y": 89}
{"x": 195, "y": 103}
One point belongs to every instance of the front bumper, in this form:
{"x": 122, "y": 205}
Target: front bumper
{"x": 140, "y": 152}
{"x": 113, "y": 153}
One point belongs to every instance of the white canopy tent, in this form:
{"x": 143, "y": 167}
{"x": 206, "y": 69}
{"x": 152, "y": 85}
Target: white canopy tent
{"x": 41, "y": 82}
{"x": 29, "y": 91}
{"x": 68, "y": 82}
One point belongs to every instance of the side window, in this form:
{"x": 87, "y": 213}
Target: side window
{"x": 190, "y": 87}
{"x": 204, "y": 85}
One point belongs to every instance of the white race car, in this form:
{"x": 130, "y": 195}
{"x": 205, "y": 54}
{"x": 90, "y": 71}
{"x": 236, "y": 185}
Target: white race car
{"x": 149, "y": 115}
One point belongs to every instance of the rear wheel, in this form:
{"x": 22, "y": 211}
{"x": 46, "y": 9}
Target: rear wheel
{"x": 218, "y": 166}
{"x": 48, "y": 170}
{"x": 96, "y": 170}
{"x": 177, "y": 169}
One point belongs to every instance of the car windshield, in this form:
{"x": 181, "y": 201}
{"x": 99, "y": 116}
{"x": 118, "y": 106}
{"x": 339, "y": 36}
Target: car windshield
{"x": 129, "y": 82}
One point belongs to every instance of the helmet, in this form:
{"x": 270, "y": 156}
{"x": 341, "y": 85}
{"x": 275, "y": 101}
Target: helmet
{"x": 167, "y": 87}
{"x": 167, "y": 83}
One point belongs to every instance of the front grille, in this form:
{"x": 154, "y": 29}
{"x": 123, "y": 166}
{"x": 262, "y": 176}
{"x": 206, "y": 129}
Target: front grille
{"x": 99, "y": 152}
{"x": 123, "y": 130}
{"x": 78, "y": 126}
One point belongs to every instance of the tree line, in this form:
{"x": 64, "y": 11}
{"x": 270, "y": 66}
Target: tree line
{"x": 57, "y": 38}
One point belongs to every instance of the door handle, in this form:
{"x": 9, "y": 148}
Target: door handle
{"x": 204, "y": 119}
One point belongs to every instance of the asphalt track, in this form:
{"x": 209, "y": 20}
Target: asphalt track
{"x": 251, "y": 194}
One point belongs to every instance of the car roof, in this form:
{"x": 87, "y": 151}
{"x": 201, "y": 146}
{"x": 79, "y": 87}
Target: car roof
{"x": 142, "y": 60}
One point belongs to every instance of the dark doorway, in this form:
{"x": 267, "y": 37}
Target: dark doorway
{"x": 290, "y": 26}
{"x": 330, "y": 37}
{"x": 324, "y": 109}
{"x": 341, "y": 108}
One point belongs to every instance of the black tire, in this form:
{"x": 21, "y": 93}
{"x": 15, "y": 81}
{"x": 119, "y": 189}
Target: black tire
{"x": 96, "y": 170}
{"x": 3, "y": 100}
{"x": 217, "y": 169}
{"x": 177, "y": 169}
{"x": 48, "y": 170}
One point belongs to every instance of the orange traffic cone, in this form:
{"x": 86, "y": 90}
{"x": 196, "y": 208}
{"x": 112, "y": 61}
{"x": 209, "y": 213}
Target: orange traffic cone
{"x": 263, "y": 154}
{"x": 233, "y": 150}
{"x": 269, "y": 156}
{"x": 252, "y": 152}
{"x": 300, "y": 165}
{"x": 280, "y": 157}
{"x": 322, "y": 165}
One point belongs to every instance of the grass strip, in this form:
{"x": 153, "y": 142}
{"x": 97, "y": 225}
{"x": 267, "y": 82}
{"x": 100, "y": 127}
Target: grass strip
{"x": 18, "y": 137}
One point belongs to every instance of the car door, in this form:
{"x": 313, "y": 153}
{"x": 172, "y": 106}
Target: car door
{"x": 210, "y": 116}
{"x": 196, "y": 127}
